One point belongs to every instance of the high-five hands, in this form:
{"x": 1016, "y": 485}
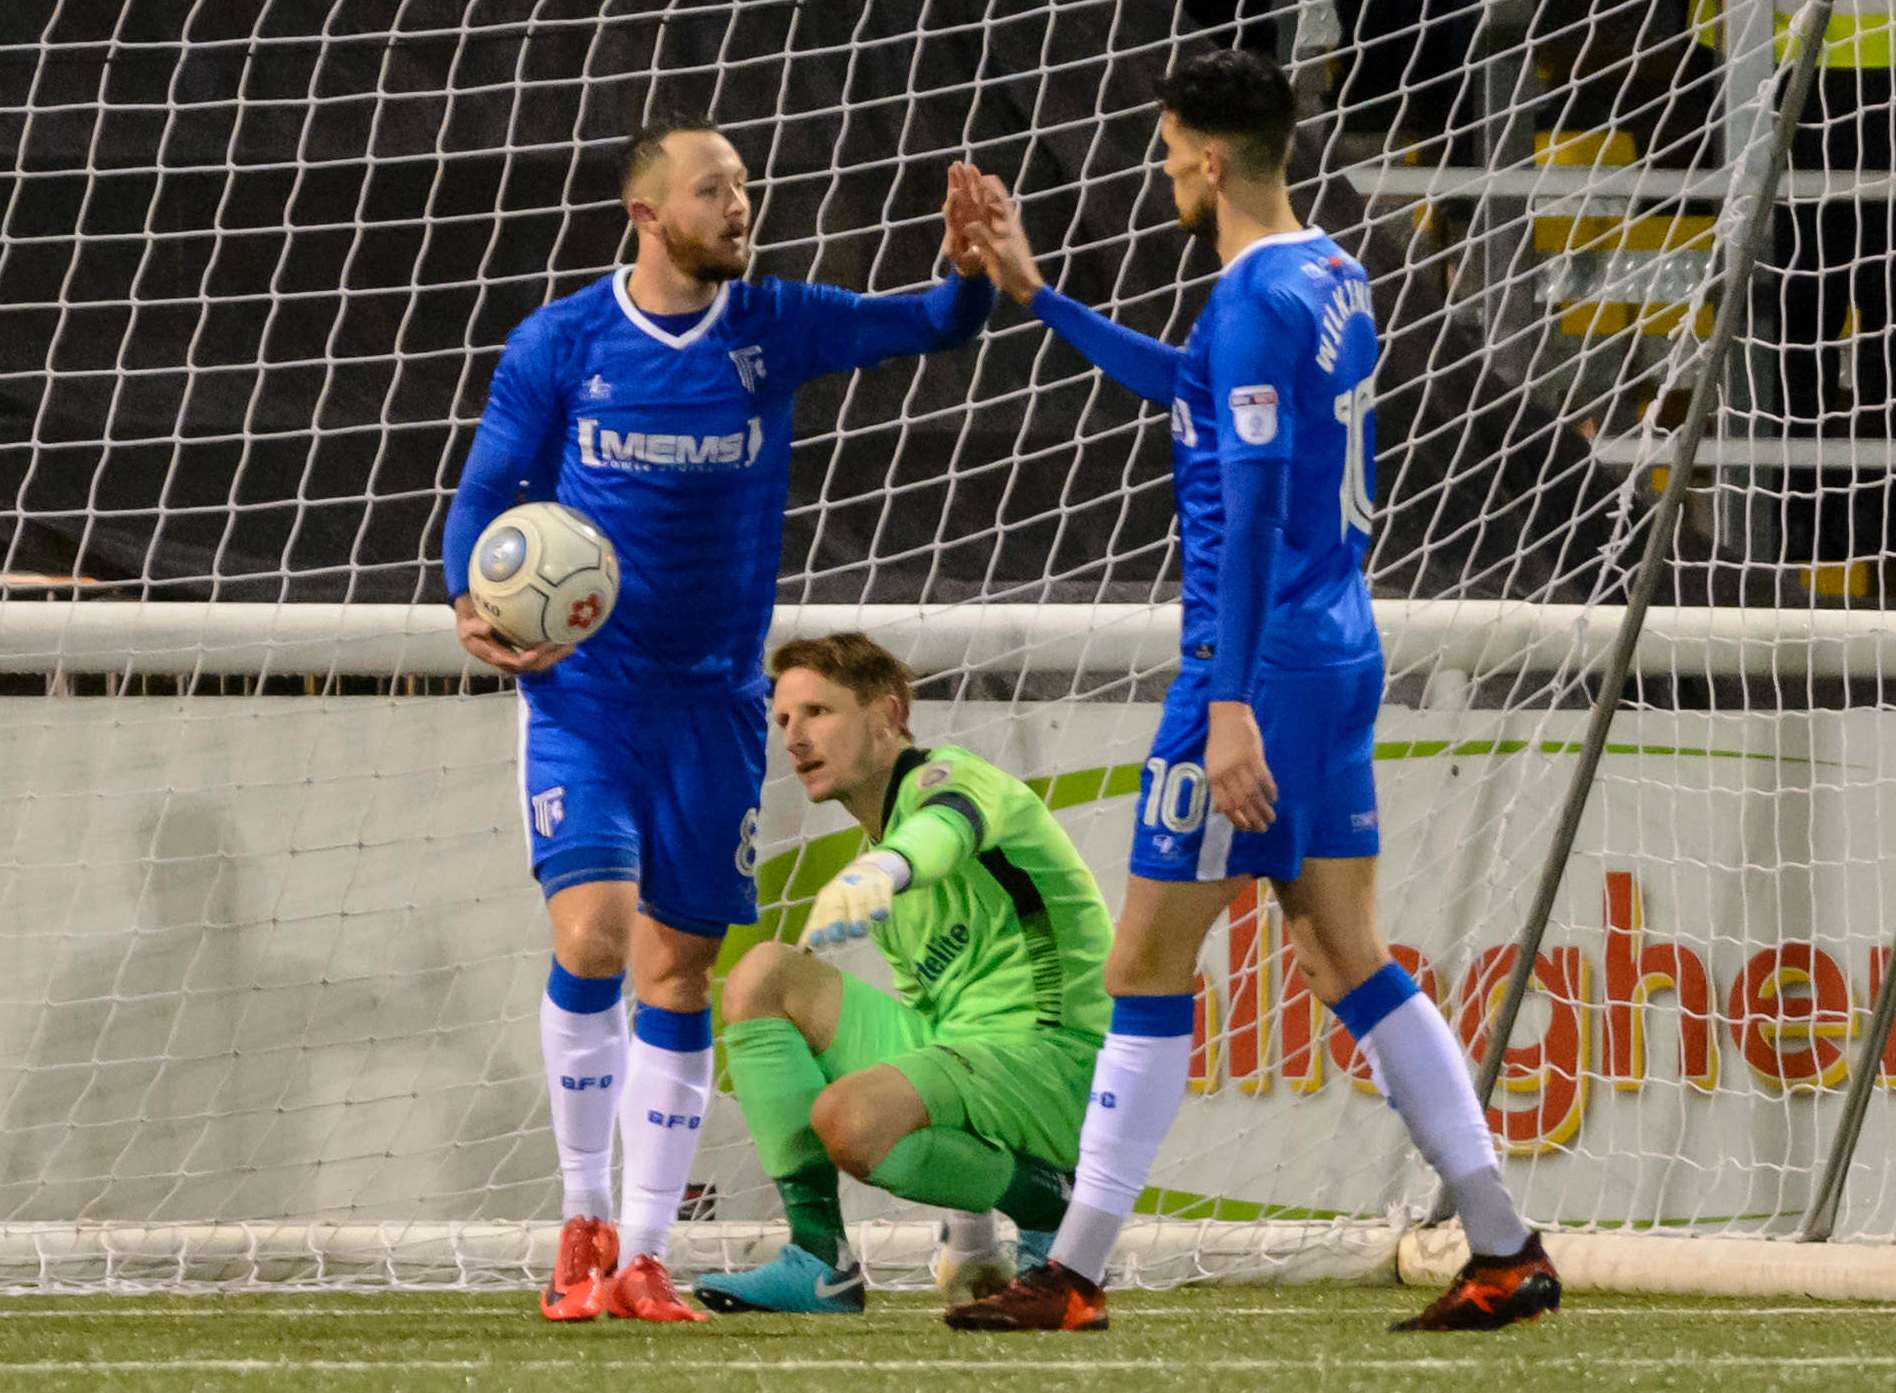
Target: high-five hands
{"x": 959, "y": 211}
{"x": 990, "y": 225}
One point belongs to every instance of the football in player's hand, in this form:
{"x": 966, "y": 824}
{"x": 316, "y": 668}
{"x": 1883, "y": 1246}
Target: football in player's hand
{"x": 542, "y": 573}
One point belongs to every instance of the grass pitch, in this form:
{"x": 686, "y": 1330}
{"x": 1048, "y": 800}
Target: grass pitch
{"x": 1302, "y": 1338}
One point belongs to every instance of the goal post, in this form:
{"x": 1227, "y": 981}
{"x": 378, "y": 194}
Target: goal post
{"x": 270, "y": 958}
{"x": 1421, "y": 638}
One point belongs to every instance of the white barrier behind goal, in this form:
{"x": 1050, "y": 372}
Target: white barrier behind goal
{"x": 275, "y": 1015}
{"x": 270, "y": 958}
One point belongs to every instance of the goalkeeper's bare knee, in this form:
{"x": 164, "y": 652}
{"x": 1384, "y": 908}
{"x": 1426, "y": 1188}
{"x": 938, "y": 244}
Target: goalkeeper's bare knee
{"x": 759, "y": 986}
{"x": 860, "y": 1117}
{"x": 848, "y": 1131}
{"x": 776, "y": 980}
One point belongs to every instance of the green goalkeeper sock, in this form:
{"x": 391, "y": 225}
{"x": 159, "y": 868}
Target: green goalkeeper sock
{"x": 815, "y": 1211}
{"x": 776, "y": 1079}
{"x": 953, "y": 1169}
{"x": 1036, "y": 1195}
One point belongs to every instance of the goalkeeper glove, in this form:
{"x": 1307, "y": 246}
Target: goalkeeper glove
{"x": 857, "y": 897}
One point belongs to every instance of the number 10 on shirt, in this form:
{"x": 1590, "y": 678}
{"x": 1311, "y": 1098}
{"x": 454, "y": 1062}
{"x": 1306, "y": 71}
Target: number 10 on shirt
{"x": 1352, "y": 411}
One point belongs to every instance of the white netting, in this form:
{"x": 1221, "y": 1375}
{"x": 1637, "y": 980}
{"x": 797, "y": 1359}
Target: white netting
{"x": 271, "y": 957}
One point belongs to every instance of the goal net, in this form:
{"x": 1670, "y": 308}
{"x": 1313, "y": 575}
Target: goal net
{"x": 270, "y": 956}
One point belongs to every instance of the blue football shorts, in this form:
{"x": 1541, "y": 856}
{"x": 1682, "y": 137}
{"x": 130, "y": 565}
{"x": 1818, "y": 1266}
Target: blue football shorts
{"x": 1319, "y": 729}
{"x": 658, "y": 788}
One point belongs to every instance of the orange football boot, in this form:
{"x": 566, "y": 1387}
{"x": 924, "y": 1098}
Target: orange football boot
{"x": 589, "y": 1254}
{"x": 643, "y": 1290}
{"x": 1049, "y": 1297}
{"x": 1489, "y": 1293}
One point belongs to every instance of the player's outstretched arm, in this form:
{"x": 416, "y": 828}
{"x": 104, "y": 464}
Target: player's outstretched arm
{"x": 951, "y": 827}
{"x": 841, "y": 330}
{"x": 1141, "y": 364}
{"x": 855, "y": 900}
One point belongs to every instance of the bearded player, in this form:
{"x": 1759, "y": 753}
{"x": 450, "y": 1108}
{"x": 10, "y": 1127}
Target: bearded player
{"x": 657, "y": 401}
{"x": 966, "y": 1089}
{"x": 1273, "y": 465}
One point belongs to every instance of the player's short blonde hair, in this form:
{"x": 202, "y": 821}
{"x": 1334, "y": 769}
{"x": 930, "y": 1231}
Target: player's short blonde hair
{"x": 855, "y": 661}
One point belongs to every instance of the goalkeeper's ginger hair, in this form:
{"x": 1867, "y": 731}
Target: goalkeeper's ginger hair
{"x": 855, "y": 661}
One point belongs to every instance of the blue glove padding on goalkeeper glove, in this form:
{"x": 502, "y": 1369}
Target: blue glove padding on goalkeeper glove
{"x": 858, "y": 896}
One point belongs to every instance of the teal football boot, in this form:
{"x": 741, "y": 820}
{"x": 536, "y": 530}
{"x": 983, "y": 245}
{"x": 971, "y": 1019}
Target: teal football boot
{"x": 794, "y": 1283}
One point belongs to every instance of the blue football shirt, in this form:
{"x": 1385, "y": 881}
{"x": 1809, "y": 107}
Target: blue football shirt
{"x": 1275, "y": 394}
{"x": 677, "y": 445}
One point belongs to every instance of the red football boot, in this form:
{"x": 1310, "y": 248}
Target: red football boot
{"x": 644, "y": 1291}
{"x": 1049, "y": 1297}
{"x": 1489, "y": 1293}
{"x": 589, "y": 1254}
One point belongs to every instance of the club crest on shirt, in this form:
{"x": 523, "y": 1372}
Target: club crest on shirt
{"x": 549, "y": 810}
{"x": 1182, "y": 428}
{"x": 1254, "y": 413}
{"x": 598, "y": 389}
{"x": 750, "y": 366}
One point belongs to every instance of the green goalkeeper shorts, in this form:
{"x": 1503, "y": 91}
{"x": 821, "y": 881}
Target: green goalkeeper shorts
{"x": 1025, "y": 1090}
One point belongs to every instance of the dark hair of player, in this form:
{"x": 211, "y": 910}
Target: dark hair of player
{"x": 855, "y": 661}
{"x": 1243, "y": 97}
{"x": 646, "y": 145}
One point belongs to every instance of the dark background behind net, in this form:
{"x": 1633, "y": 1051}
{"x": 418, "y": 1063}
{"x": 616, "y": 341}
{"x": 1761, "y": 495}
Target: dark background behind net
{"x": 246, "y": 343}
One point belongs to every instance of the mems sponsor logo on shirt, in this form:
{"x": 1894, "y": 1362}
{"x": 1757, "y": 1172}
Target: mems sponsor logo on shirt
{"x": 600, "y": 448}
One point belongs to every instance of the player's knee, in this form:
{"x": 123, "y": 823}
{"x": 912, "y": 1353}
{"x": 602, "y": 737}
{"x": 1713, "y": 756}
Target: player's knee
{"x": 759, "y": 985}
{"x": 1146, "y": 970}
{"x": 1334, "y": 963}
{"x": 590, "y": 945}
{"x": 849, "y": 1130}
{"x": 1313, "y": 958}
{"x": 671, "y": 968}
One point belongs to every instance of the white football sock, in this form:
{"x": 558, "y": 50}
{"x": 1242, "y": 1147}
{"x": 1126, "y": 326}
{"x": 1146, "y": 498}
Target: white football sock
{"x": 1138, "y": 1084}
{"x": 1424, "y": 1077}
{"x": 1367, "y": 1049}
{"x": 661, "y": 1117}
{"x": 971, "y": 1235}
{"x": 585, "y": 1057}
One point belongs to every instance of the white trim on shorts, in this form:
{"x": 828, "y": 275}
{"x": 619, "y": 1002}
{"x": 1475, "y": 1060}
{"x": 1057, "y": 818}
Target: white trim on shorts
{"x": 1214, "y": 848}
{"x": 526, "y": 811}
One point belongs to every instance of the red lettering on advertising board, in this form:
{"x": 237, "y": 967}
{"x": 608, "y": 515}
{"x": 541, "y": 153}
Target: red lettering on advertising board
{"x": 1787, "y": 1010}
{"x": 1635, "y": 970}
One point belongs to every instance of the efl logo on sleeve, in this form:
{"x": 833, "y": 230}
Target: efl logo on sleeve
{"x": 1254, "y": 413}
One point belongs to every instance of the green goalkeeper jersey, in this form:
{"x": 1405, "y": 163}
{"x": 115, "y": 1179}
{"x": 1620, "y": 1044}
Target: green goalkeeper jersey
{"x": 1002, "y": 927}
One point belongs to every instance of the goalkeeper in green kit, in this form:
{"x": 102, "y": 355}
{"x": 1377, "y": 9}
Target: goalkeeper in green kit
{"x": 969, "y": 1090}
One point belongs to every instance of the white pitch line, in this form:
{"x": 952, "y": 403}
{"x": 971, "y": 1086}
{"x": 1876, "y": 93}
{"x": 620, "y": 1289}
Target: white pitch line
{"x": 1298, "y": 1312}
{"x": 107, "y": 1309}
{"x": 1079, "y": 1364}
